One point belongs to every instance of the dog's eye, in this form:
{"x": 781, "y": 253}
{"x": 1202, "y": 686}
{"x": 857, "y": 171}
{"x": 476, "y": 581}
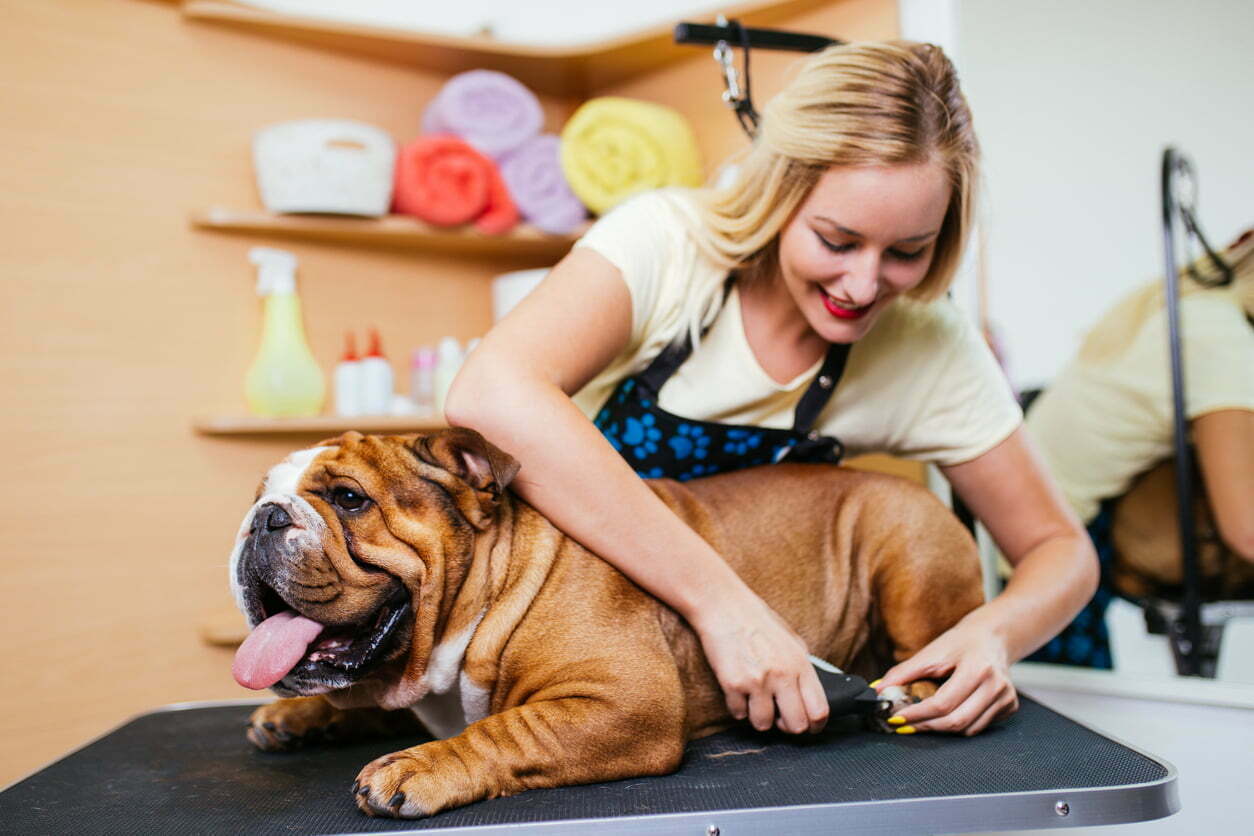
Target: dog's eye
{"x": 348, "y": 499}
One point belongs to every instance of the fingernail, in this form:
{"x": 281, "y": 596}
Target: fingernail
{"x": 907, "y": 730}
{"x": 876, "y": 683}
{"x": 896, "y": 721}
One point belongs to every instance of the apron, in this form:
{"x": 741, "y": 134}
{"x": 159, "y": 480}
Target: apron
{"x": 659, "y": 444}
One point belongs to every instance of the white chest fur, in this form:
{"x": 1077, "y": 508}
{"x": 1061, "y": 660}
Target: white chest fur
{"x": 454, "y": 701}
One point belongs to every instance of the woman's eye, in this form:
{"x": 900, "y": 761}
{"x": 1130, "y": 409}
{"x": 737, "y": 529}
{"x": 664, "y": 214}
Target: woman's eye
{"x": 904, "y": 256}
{"x": 836, "y": 248}
{"x": 348, "y": 499}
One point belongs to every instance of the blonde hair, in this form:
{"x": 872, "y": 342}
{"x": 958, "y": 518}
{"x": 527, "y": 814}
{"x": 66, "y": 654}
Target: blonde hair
{"x": 1115, "y": 332}
{"x": 854, "y": 104}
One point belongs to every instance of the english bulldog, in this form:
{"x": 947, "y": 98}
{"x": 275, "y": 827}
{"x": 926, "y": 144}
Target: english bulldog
{"x": 394, "y": 585}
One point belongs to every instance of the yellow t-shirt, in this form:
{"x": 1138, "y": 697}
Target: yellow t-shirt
{"x": 920, "y": 385}
{"x": 1100, "y": 425}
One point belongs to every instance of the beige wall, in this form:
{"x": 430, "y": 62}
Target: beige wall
{"x": 120, "y": 324}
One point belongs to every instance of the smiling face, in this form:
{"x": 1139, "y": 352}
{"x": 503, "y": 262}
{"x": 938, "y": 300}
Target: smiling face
{"x": 864, "y": 236}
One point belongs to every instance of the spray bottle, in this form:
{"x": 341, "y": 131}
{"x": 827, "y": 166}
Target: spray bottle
{"x": 284, "y": 380}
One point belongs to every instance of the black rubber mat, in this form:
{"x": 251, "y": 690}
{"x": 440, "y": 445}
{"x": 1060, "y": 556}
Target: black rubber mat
{"x": 191, "y": 771}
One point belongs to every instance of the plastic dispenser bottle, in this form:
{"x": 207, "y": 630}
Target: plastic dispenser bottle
{"x": 448, "y": 359}
{"x": 376, "y": 379}
{"x": 284, "y": 380}
{"x": 348, "y": 380}
{"x": 422, "y": 380}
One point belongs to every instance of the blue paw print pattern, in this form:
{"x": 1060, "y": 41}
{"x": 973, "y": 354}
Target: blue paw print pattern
{"x": 741, "y": 440}
{"x": 641, "y": 435}
{"x": 659, "y": 445}
{"x": 689, "y": 440}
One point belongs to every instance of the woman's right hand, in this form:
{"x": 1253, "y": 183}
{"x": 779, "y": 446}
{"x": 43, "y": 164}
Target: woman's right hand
{"x": 761, "y": 664}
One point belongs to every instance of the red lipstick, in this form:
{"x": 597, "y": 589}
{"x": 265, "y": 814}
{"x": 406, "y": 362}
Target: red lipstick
{"x": 842, "y": 313}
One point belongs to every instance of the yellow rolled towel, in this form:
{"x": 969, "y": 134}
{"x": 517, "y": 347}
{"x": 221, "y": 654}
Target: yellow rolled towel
{"x": 614, "y": 147}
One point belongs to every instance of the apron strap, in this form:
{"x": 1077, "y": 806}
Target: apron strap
{"x": 669, "y": 359}
{"x": 821, "y": 388}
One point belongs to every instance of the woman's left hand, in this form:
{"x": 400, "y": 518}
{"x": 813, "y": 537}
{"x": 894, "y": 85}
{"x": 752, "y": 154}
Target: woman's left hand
{"x": 979, "y": 691}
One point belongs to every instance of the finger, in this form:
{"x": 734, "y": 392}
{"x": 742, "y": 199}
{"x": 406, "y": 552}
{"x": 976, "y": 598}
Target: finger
{"x": 737, "y": 704}
{"x": 1005, "y": 704}
{"x": 792, "y": 710}
{"x": 956, "y": 691}
{"x": 922, "y": 665}
{"x": 815, "y": 701}
{"x": 761, "y": 709}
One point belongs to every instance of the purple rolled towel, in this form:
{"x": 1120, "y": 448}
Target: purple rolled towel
{"x": 533, "y": 175}
{"x": 492, "y": 111}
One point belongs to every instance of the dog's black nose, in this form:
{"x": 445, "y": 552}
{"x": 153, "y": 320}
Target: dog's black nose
{"x": 277, "y": 518}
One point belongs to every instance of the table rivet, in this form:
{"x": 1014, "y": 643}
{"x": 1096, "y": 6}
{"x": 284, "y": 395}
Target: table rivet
{"x": 825, "y": 381}
{"x": 712, "y": 830}
{"x": 1062, "y": 808}
{"x": 813, "y": 435}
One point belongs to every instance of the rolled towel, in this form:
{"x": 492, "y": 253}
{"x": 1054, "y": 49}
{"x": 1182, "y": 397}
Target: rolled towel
{"x": 443, "y": 181}
{"x": 534, "y": 176}
{"x": 614, "y": 147}
{"x": 492, "y": 111}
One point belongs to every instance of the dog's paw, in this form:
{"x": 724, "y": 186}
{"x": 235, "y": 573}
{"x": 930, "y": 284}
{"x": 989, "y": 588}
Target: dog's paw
{"x": 893, "y": 699}
{"x": 395, "y": 786}
{"x": 288, "y": 725}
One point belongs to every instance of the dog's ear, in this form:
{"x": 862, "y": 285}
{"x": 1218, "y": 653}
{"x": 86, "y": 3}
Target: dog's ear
{"x": 340, "y": 440}
{"x": 469, "y": 456}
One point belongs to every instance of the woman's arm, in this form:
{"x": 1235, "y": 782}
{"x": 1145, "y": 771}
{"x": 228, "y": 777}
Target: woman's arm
{"x": 1056, "y": 572}
{"x": 1225, "y": 452}
{"x": 515, "y": 389}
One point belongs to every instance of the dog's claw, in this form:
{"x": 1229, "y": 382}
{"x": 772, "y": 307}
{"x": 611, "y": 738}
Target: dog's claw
{"x": 396, "y": 802}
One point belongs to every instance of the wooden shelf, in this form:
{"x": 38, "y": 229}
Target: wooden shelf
{"x": 395, "y": 231}
{"x": 325, "y": 424}
{"x": 577, "y": 71}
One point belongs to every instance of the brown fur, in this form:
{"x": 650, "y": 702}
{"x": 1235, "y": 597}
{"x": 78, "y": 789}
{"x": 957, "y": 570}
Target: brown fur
{"x": 1145, "y": 533}
{"x": 588, "y": 678}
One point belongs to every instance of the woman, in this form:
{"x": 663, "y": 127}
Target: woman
{"x": 848, "y": 215}
{"x": 1107, "y": 418}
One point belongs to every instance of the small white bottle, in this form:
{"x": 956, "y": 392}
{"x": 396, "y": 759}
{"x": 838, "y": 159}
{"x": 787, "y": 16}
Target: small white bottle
{"x": 376, "y": 379}
{"x": 348, "y": 380}
{"x": 422, "y": 379}
{"x": 448, "y": 359}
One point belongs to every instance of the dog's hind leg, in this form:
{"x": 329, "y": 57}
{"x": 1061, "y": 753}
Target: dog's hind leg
{"x": 289, "y": 724}
{"x": 927, "y": 579}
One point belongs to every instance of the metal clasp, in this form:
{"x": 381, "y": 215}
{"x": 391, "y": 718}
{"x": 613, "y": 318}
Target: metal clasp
{"x": 732, "y": 95}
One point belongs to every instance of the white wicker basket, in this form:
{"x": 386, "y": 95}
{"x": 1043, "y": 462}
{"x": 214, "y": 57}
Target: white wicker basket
{"x": 324, "y": 165}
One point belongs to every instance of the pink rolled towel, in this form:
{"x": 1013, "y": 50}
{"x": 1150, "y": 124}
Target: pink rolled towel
{"x": 492, "y": 111}
{"x": 444, "y": 181}
{"x": 534, "y": 176}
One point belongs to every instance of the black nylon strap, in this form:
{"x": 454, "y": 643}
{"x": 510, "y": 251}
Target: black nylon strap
{"x": 808, "y": 408}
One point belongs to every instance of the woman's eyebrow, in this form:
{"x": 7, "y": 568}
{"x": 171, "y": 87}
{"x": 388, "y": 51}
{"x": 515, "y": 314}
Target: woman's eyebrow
{"x": 854, "y": 233}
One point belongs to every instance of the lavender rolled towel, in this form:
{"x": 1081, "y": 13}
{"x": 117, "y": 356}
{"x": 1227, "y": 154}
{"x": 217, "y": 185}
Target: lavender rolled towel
{"x": 533, "y": 174}
{"x": 490, "y": 110}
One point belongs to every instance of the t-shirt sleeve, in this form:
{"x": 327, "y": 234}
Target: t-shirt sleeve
{"x": 636, "y": 237}
{"x": 1218, "y": 355}
{"x": 970, "y": 407}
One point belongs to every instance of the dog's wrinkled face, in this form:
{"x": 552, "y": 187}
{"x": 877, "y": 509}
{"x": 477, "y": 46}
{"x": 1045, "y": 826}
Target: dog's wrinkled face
{"x": 343, "y": 561}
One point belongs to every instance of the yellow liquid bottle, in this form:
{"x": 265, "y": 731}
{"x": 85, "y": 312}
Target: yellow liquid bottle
{"x": 284, "y": 380}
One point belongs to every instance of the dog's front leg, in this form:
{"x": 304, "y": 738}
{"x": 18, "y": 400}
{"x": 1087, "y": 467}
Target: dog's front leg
{"x": 289, "y": 724}
{"x": 572, "y": 740}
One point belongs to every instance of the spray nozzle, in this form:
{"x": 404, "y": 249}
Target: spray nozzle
{"x": 276, "y": 270}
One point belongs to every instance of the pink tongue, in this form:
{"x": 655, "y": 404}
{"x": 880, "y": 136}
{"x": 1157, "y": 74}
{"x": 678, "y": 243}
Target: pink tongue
{"x": 272, "y": 649}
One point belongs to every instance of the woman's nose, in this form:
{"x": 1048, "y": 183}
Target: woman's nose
{"x": 863, "y": 278}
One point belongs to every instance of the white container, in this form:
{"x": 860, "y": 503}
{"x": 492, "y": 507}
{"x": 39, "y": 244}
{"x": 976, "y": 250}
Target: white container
{"x": 508, "y": 289}
{"x": 422, "y": 380}
{"x": 376, "y": 380}
{"x": 348, "y": 381}
{"x": 324, "y": 165}
{"x": 448, "y": 359}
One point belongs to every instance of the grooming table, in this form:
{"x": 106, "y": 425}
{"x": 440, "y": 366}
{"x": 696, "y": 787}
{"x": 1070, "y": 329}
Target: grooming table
{"x": 188, "y": 769}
